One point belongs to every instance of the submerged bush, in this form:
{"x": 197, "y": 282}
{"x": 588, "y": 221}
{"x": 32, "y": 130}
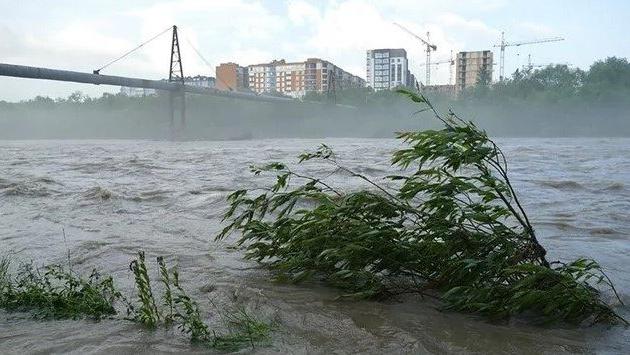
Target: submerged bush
{"x": 454, "y": 228}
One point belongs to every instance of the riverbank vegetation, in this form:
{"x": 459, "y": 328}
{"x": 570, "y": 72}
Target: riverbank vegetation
{"x": 606, "y": 81}
{"x": 452, "y": 228}
{"x": 56, "y": 292}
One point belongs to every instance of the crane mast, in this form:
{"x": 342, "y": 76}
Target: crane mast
{"x": 531, "y": 65}
{"x": 451, "y": 63}
{"x": 505, "y": 44}
{"x": 429, "y": 47}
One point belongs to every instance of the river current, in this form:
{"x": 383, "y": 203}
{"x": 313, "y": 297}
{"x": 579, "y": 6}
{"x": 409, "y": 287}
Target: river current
{"x": 113, "y": 198}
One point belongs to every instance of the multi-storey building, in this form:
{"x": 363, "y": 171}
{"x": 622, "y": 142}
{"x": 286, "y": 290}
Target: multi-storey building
{"x": 411, "y": 81}
{"x": 319, "y": 75}
{"x": 137, "y": 92}
{"x": 262, "y": 77}
{"x": 232, "y": 77}
{"x": 470, "y": 66}
{"x": 290, "y": 78}
{"x": 446, "y": 90}
{"x": 298, "y": 78}
{"x": 200, "y": 80}
{"x": 387, "y": 69}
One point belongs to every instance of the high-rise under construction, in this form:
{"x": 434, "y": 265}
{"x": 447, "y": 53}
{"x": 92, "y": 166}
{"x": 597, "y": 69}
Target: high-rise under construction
{"x": 472, "y": 67}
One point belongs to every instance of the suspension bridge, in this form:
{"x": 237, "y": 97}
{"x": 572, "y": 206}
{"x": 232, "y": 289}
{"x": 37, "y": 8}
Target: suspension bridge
{"x": 175, "y": 84}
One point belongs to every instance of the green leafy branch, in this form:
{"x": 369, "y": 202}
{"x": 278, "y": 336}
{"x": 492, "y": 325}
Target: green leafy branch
{"x": 454, "y": 229}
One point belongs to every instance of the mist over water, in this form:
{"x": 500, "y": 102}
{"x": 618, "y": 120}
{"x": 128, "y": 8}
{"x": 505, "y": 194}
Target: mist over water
{"x": 207, "y": 118}
{"x": 113, "y": 198}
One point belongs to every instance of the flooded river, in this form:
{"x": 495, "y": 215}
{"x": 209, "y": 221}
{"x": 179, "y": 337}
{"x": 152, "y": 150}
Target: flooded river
{"x": 113, "y": 198}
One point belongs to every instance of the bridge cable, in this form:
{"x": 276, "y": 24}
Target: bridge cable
{"x": 207, "y": 63}
{"x": 97, "y": 71}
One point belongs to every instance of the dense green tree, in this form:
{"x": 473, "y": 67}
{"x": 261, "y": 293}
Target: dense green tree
{"x": 608, "y": 80}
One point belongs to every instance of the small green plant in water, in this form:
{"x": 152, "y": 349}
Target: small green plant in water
{"x": 56, "y": 293}
{"x": 165, "y": 279}
{"x": 245, "y": 331}
{"x": 452, "y": 228}
{"x": 53, "y": 292}
{"x": 188, "y": 314}
{"x": 147, "y": 313}
{"x": 180, "y": 309}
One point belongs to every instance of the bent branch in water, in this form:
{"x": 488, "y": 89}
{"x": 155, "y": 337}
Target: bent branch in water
{"x": 455, "y": 226}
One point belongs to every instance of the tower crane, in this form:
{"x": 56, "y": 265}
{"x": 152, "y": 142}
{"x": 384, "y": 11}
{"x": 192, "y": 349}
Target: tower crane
{"x": 451, "y": 63}
{"x": 531, "y": 65}
{"x": 505, "y": 44}
{"x": 429, "y": 47}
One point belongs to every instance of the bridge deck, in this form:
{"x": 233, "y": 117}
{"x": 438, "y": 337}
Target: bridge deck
{"x": 22, "y": 71}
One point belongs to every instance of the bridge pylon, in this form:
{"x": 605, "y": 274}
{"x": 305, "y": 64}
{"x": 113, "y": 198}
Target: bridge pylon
{"x": 176, "y": 75}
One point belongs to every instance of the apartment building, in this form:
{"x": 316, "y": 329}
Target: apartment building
{"x": 298, "y": 78}
{"x": 290, "y": 78}
{"x": 388, "y": 69}
{"x": 232, "y": 77}
{"x": 200, "y": 80}
{"x": 412, "y": 82}
{"x": 137, "y": 92}
{"x": 262, "y": 77}
{"x": 446, "y": 90}
{"x": 470, "y": 65}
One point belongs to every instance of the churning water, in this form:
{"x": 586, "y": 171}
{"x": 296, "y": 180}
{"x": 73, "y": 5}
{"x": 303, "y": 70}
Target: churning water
{"x": 114, "y": 198}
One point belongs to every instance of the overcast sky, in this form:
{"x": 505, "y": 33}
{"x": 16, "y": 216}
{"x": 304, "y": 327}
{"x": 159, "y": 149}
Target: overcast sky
{"x": 83, "y": 35}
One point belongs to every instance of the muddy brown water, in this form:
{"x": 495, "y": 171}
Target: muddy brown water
{"x": 113, "y": 198}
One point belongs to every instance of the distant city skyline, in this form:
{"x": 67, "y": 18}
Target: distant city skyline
{"x": 83, "y": 35}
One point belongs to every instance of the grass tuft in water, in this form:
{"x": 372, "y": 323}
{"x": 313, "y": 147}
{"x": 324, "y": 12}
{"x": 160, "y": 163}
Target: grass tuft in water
{"x": 147, "y": 313}
{"x": 245, "y": 330}
{"x": 54, "y": 292}
{"x": 179, "y": 309}
{"x": 165, "y": 279}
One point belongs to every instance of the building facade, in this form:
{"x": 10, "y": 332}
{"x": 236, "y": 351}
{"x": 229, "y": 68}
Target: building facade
{"x": 299, "y": 78}
{"x": 262, "y": 77}
{"x": 446, "y": 90}
{"x": 137, "y": 92}
{"x": 470, "y": 66}
{"x": 290, "y": 78}
{"x": 411, "y": 81}
{"x": 200, "y": 80}
{"x": 388, "y": 69}
{"x": 231, "y": 77}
